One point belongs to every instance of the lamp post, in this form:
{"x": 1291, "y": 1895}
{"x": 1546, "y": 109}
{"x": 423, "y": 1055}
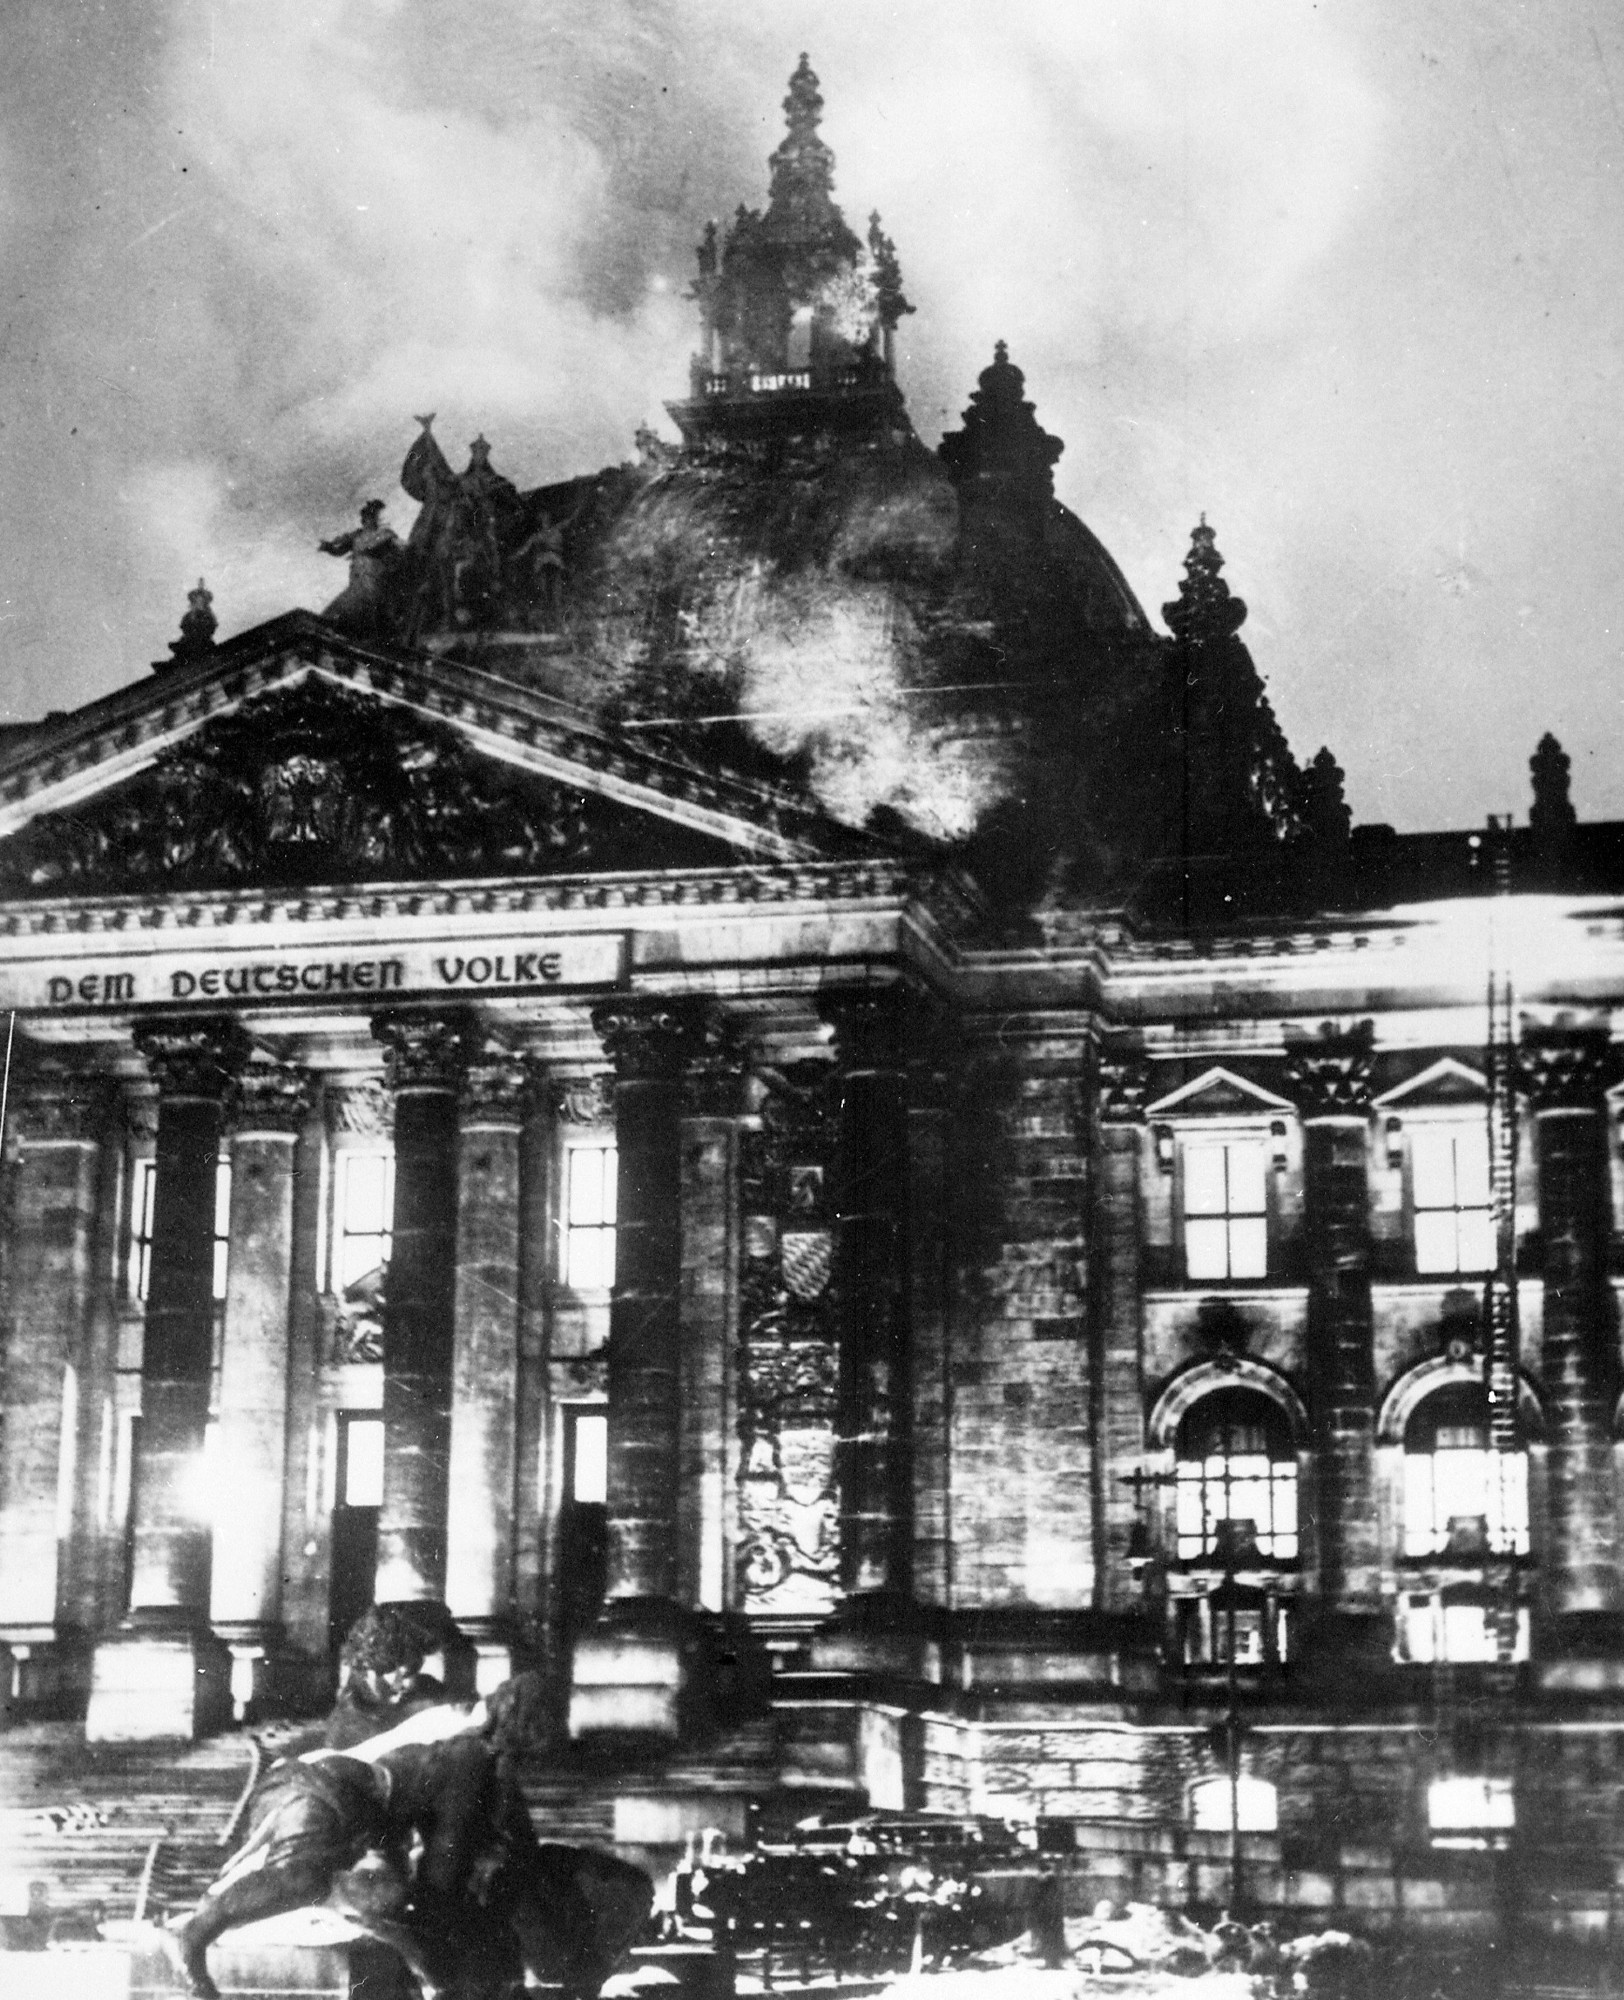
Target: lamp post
{"x": 1230, "y": 1539}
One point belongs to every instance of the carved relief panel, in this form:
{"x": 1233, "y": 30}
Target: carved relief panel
{"x": 789, "y": 1357}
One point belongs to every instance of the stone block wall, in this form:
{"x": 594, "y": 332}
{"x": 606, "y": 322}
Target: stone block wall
{"x": 1023, "y": 1473}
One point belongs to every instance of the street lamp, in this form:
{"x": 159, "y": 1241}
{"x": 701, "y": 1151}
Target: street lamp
{"x": 1232, "y": 1539}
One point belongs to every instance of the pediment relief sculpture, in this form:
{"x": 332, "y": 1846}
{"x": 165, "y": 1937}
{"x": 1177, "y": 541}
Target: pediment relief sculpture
{"x": 318, "y": 784}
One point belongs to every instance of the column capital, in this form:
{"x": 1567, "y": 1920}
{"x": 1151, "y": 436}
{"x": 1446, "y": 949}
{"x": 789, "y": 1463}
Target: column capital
{"x": 194, "y": 1058}
{"x": 1565, "y": 1069}
{"x": 271, "y": 1097}
{"x": 870, "y": 1025}
{"x": 497, "y": 1085}
{"x": 423, "y": 1051}
{"x": 54, "y": 1105}
{"x": 1330, "y": 1077}
{"x": 656, "y": 1039}
{"x": 582, "y": 1100}
{"x": 1123, "y": 1084}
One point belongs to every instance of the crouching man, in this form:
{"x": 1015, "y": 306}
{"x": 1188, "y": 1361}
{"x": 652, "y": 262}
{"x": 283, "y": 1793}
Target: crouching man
{"x": 340, "y": 1828}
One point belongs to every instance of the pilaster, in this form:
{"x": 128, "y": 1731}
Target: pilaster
{"x": 1565, "y": 1074}
{"x": 1331, "y": 1081}
{"x": 1122, "y": 1089}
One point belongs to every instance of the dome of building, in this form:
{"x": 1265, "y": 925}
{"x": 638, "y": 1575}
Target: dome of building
{"x": 928, "y": 641}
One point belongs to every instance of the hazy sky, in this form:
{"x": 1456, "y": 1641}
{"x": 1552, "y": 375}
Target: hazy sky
{"x": 1348, "y": 277}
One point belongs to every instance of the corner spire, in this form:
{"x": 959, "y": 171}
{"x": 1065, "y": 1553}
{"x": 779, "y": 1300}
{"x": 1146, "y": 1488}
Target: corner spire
{"x": 1002, "y": 442}
{"x": 1204, "y": 610}
{"x": 197, "y": 629}
{"x": 1551, "y": 816}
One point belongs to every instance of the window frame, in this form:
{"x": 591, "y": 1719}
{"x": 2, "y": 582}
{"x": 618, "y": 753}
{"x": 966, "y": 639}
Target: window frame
{"x": 1284, "y": 1472}
{"x": 1200, "y": 1133}
{"x": 604, "y": 1144}
{"x": 336, "y": 1236}
{"x": 1431, "y": 1123}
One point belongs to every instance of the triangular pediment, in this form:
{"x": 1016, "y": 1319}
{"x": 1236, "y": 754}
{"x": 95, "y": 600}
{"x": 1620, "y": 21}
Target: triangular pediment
{"x": 294, "y": 757}
{"x": 1445, "y": 1082}
{"x": 1219, "y": 1092}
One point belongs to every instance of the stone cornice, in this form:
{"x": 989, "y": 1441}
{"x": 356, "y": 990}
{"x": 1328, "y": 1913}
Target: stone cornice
{"x": 751, "y": 886}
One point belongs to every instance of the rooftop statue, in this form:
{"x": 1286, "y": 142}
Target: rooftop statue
{"x": 460, "y": 538}
{"x": 366, "y": 605}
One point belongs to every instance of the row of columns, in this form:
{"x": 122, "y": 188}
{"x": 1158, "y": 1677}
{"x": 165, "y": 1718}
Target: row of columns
{"x": 1563, "y": 1074}
{"x": 453, "y": 1385}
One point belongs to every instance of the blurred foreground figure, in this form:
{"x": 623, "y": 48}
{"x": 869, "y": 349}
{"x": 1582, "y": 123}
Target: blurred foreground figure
{"x": 340, "y": 1828}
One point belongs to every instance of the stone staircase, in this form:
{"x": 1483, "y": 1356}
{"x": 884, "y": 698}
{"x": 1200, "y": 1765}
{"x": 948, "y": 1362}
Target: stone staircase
{"x": 141, "y": 1829}
{"x": 115, "y": 1826}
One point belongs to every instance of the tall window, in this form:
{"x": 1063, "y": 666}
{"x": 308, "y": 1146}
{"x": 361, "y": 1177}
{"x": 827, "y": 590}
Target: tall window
{"x": 589, "y": 1217}
{"x": 143, "y": 1200}
{"x": 363, "y": 1208}
{"x": 1225, "y": 1225}
{"x": 1460, "y": 1497}
{"x": 1235, "y": 1462}
{"x": 1454, "y": 1216}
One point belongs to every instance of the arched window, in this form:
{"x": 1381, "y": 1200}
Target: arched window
{"x": 1461, "y": 1499}
{"x": 1235, "y": 1462}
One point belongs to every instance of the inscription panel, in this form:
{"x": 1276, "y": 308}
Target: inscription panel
{"x": 515, "y": 965}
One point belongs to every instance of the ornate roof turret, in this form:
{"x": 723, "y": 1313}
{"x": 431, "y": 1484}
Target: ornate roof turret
{"x": 1002, "y": 443}
{"x": 1204, "y": 610}
{"x": 801, "y": 206}
{"x": 797, "y": 312}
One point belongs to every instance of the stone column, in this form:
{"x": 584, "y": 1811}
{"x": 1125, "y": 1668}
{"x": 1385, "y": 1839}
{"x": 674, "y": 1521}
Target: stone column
{"x": 708, "y": 1310}
{"x": 271, "y": 1104}
{"x": 485, "y": 1360}
{"x": 1565, "y": 1075}
{"x": 165, "y": 1675}
{"x": 1118, "y": 1373}
{"x": 1331, "y": 1080}
{"x": 57, "y": 1123}
{"x": 634, "y": 1671}
{"x": 873, "y": 1435}
{"x": 425, "y": 1056}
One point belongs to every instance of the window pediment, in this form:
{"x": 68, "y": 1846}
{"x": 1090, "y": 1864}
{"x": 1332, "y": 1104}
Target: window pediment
{"x": 1219, "y": 1094}
{"x": 1447, "y": 1085}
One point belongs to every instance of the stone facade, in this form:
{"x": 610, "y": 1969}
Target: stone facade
{"x": 1019, "y": 1307}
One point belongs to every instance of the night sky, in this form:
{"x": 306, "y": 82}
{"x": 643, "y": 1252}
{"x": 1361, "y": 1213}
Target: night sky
{"x": 1348, "y": 278}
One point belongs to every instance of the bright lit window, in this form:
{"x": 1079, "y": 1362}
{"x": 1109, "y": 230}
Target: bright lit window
{"x": 1471, "y": 1805}
{"x": 222, "y": 1226}
{"x": 363, "y": 1462}
{"x": 1251, "y": 1803}
{"x": 589, "y": 1217}
{"x": 144, "y": 1194}
{"x": 1454, "y": 1215}
{"x": 363, "y": 1209}
{"x": 589, "y": 1459}
{"x": 1225, "y": 1227}
{"x": 1461, "y": 1498}
{"x": 1235, "y": 1462}
{"x": 1459, "y": 1627}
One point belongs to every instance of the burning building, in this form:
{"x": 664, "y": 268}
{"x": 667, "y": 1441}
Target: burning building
{"x": 734, "y": 1071}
